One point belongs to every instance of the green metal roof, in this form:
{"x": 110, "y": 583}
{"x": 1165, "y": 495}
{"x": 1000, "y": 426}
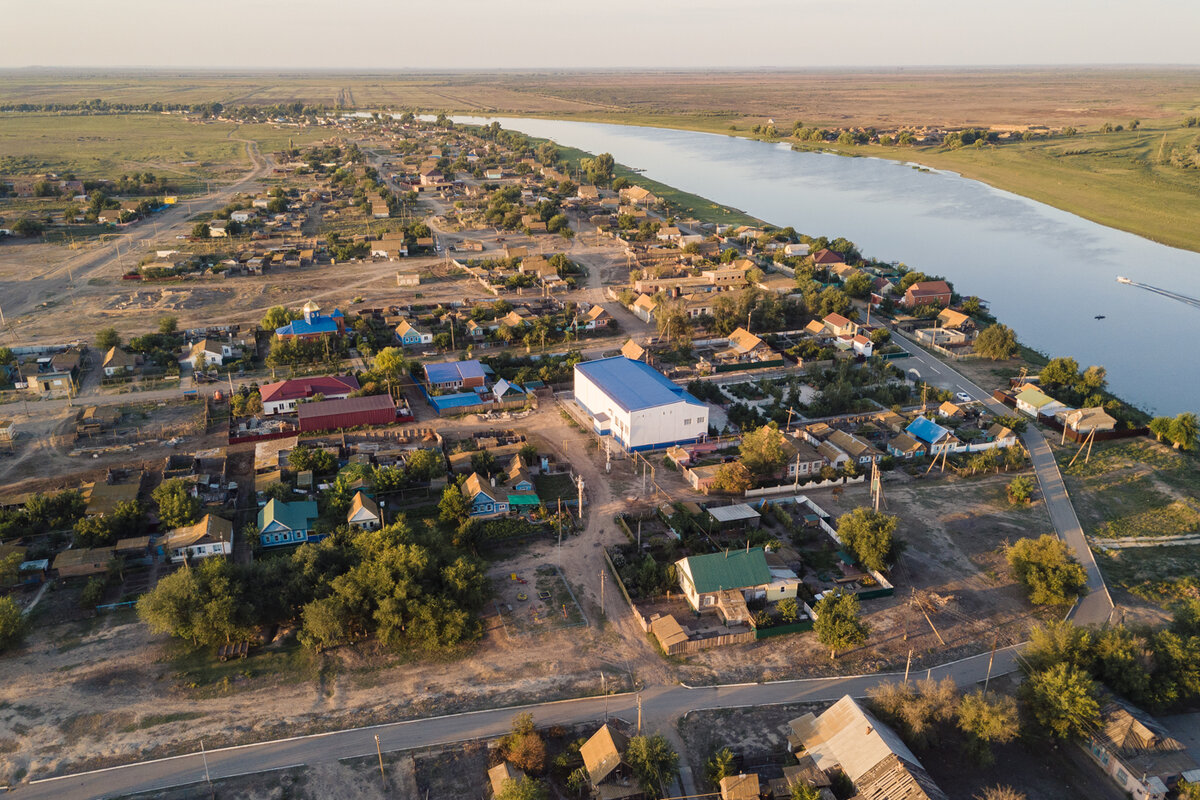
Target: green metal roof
{"x": 523, "y": 500}
{"x": 1035, "y": 398}
{"x": 295, "y": 516}
{"x": 735, "y": 569}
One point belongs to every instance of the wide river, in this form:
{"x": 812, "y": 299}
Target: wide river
{"x": 1045, "y": 272}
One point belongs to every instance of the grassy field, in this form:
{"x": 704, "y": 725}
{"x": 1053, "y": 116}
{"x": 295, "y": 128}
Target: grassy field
{"x": 1115, "y": 179}
{"x": 107, "y": 146}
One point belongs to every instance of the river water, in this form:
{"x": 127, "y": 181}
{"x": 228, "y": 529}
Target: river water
{"x": 1044, "y": 272}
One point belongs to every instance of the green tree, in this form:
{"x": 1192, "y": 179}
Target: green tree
{"x": 1184, "y": 431}
{"x": 789, "y": 609}
{"x": 858, "y": 285}
{"x": 12, "y": 624}
{"x": 200, "y": 231}
{"x": 324, "y": 624}
{"x": 802, "y": 791}
{"x": 453, "y": 507}
{"x": 1161, "y": 428}
{"x": 107, "y": 338}
{"x": 390, "y": 365}
{"x": 762, "y": 451}
{"x": 832, "y": 300}
{"x": 869, "y": 535}
{"x": 176, "y": 506}
{"x": 93, "y": 593}
{"x": 168, "y": 324}
{"x": 6, "y": 356}
{"x": 999, "y": 792}
{"x": 1062, "y": 700}
{"x": 1058, "y": 642}
{"x": 1020, "y": 490}
{"x": 732, "y": 478}
{"x": 171, "y": 606}
{"x": 277, "y": 317}
{"x": 988, "y": 718}
{"x": 424, "y": 465}
{"x": 653, "y": 762}
{"x": 719, "y": 766}
{"x": 838, "y": 624}
{"x": 997, "y": 342}
{"x": 1047, "y": 570}
{"x": 1061, "y": 371}
{"x": 523, "y": 788}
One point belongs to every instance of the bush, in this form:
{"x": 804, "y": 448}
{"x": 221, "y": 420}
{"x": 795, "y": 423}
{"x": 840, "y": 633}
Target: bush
{"x": 1047, "y": 570}
{"x": 1020, "y": 490}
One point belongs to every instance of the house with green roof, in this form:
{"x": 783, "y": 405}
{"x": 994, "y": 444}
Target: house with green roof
{"x": 724, "y": 582}
{"x": 282, "y": 523}
{"x": 1033, "y": 401}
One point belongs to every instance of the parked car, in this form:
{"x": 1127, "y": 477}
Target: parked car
{"x": 962, "y": 397}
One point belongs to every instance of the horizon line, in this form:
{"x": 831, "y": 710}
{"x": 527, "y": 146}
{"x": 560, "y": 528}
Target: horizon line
{"x": 303, "y": 70}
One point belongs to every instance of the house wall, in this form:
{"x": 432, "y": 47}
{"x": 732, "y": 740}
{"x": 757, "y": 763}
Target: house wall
{"x": 200, "y": 551}
{"x": 1125, "y": 777}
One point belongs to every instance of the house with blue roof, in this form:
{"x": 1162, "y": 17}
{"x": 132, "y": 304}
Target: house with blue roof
{"x": 928, "y": 432}
{"x": 638, "y": 406}
{"x": 454, "y": 375}
{"x": 282, "y": 523}
{"x": 313, "y": 324}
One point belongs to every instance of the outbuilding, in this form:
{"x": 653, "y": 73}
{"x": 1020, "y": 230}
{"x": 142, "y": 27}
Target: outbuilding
{"x": 328, "y": 415}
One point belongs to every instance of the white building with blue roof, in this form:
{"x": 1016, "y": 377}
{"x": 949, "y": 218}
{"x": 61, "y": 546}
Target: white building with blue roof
{"x": 637, "y": 405}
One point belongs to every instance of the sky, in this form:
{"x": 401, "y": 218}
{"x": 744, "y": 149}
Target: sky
{"x": 565, "y": 34}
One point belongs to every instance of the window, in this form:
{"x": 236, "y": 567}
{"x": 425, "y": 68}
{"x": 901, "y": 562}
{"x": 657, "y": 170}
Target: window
{"x": 687, "y": 422}
{"x": 1122, "y": 777}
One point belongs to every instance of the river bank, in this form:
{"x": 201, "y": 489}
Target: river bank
{"x": 1114, "y": 179}
{"x": 1048, "y": 274}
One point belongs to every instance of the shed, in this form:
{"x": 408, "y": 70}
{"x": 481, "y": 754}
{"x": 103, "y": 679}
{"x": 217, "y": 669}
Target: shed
{"x": 326, "y": 415}
{"x": 83, "y": 561}
{"x": 739, "y": 515}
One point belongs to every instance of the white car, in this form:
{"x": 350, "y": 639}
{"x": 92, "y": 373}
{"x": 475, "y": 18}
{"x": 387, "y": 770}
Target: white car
{"x": 963, "y": 397}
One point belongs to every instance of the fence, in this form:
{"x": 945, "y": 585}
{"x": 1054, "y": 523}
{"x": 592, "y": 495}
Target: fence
{"x": 791, "y": 487}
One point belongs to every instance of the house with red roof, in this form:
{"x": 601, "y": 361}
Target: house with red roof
{"x": 281, "y": 397}
{"x": 925, "y": 293}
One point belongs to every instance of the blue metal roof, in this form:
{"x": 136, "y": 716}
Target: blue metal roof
{"x": 298, "y": 327}
{"x": 926, "y": 430}
{"x": 634, "y": 385}
{"x": 451, "y": 371}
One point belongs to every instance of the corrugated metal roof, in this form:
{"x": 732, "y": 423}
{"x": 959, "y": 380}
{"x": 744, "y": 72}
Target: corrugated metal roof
{"x": 452, "y": 371}
{"x": 351, "y": 405}
{"x": 633, "y": 385}
{"x": 735, "y": 569}
{"x": 734, "y": 513}
{"x": 926, "y": 430}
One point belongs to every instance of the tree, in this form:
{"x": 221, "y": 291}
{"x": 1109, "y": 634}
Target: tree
{"x": 1184, "y": 431}
{"x": 171, "y": 606}
{"x": 988, "y": 718}
{"x": 838, "y": 624}
{"x": 869, "y": 535}
{"x": 324, "y": 624}
{"x": 1062, "y": 699}
{"x": 997, "y": 342}
{"x": 1061, "y": 371}
{"x": 93, "y": 593}
{"x": 305, "y": 457}
{"x": 1047, "y": 570}
{"x": 802, "y": 791}
{"x": 1161, "y": 428}
{"x": 390, "y": 365}
{"x": 176, "y": 506}
{"x": 168, "y": 324}
{"x": 12, "y": 624}
{"x": 107, "y": 338}
{"x": 524, "y": 746}
{"x": 6, "y": 355}
{"x": 1058, "y": 642}
{"x": 999, "y": 792}
{"x": 732, "y": 478}
{"x": 719, "y": 766}
{"x": 789, "y": 609}
{"x": 277, "y": 317}
{"x": 832, "y": 300}
{"x": 200, "y": 231}
{"x": 762, "y": 451}
{"x": 1020, "y": 490}
{"x": 424, "y": 465}
{"x": 523, "y": 788}
{"x": 453, "y": 507}
{"x": 857, "y": 285}
{"x": 653, "y": 762}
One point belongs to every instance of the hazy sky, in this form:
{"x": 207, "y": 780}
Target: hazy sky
{"x": 471, "y": 34}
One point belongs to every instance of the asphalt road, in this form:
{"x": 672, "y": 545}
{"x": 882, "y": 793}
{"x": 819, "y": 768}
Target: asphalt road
{"x": 1096, "y": 608}
{"x": 661, "y": 705}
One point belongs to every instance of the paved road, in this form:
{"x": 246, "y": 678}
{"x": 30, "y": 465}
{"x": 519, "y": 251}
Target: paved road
{"x": 1096, "y": 608}
{"x": 660, "y": 704}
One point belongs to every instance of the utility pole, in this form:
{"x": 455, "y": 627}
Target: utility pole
{"x": 382, "y": 774}
{"x": 602, "y": 582}
{"x": 907, "y": 664}
{"x": 639, "y": 702}
{"x": 991, "y": 658}
{"x": 579, "y": 479}
{"x": 604, "y": 688}
{"x": 207, "y": 778}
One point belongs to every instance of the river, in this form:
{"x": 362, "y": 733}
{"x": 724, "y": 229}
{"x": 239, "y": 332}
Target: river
{"x": 1045, "y": 272}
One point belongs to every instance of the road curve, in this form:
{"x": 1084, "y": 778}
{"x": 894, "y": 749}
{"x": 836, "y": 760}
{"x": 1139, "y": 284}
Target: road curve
{"x": 1096, "y": 607}
{"x": 659, "y": 703}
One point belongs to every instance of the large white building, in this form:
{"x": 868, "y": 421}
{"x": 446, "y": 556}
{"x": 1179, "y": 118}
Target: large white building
{"x": 637, "y": 405}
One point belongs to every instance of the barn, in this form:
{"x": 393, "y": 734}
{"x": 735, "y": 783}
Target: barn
{"x": 637, "y": 405}
{"x": 328, "y": 415}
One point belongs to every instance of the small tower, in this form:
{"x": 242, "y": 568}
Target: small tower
{"x": 311, "y": 311}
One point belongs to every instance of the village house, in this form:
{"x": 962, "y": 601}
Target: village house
{"x": 501, "y": 774}
{"x": 860, "y": 451}
{"x": 213, "y": 353}
{"x": 924, "y": 293}
{"x": 838, "y": 325}
{"x": 634, "y": 351}
{"x": 1084, "y": 421}
{"x": 928, "y": 432}
{"x": 282, "y": 397}
{"x": 484, "y": 499}
{"x": 638, "y": 196}
{"x": 281, "y": 523}
{"x": 118, "y": 362}
{"x": 609, "y": 773}
{"x": 80, "y": 562}
{"x": 450, "y": 375}
{"x": 1136, "y": 752}
{"x": 364, "y": 512}
{"x": 803, "y": 460}
{"x": 410, "y": 335}
{"x": 597, "y": 317}
{"x": 905, "y": 446}
{"x": 827, "y": 259}
{"x": 724, "y": 582}
{"x": 1033, "y": 401}
{"x": 849, "y": 739}
{"x": 948, "y": 410}
{"x": 211, "y": 536}
{"x": 643, "y": 308}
